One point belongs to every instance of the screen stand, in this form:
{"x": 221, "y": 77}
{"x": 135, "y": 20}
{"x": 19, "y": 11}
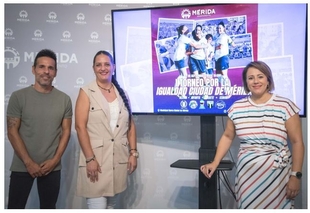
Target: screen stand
{"x": 207, "y": 187}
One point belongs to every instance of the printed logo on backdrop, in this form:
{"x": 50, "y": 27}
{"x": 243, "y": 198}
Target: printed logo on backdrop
{"x": 148, "y": 5}
{"x": 107, "y": 19}
{"x": 159, "y": 192}
{"x": 22, "y": 82}
{"x": 79, "y": 82}
{"x": 23, "y": 16}
{"x": 173, "y": 174}
{"x": 8, "y": 33}
{"x": 66, "y": 36}
{"x": 80, "y": 19}
{"x": 7, "y": 98}
{"x": 186, "y": 154}
{"x": 94, "y": 5}
{"x": 187, "y": 121}
{"x": 94, "y": 38}
{"x": 121, "y": 5}
{"x": 160, "y": 120}
{"x": 146, "y": 138}
{"x": 160, "y": 155}
{"x": 146, "y": 174}
{"x": 37, "y": 36}
{"x": 63, "y": 59}
{"x": 52, "y": 18}
{"x": 11, "y": 58}
{"x": 135, "y": 119}
{"x": 173, "y": 138}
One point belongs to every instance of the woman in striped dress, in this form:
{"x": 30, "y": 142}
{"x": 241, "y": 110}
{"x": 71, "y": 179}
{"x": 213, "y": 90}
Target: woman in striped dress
{"x": 268, "y": 174}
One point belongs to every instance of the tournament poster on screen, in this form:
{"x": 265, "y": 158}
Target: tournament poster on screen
{"x": 205, "y": 94}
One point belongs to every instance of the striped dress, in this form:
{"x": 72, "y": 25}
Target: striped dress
{"x": 264, "y": 159}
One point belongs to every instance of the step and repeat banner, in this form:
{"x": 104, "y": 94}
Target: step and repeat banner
{"x": 75, "y": 32}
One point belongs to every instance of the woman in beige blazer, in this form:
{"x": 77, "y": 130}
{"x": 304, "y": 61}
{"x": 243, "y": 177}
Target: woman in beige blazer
{"x": 107, "y": 136}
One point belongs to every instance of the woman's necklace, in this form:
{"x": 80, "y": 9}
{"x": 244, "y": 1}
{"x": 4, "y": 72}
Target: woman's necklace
{"x": 109, "y": 90}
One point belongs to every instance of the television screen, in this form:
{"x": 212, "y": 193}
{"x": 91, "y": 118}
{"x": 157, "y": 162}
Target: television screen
{"x": 165, "y": 56}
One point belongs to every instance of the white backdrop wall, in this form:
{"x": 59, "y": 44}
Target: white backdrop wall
{"x": 76, "y": 32}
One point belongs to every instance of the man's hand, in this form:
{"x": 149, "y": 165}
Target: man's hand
{"x": 48, "y": 166}
{"x": 34, "y": 169}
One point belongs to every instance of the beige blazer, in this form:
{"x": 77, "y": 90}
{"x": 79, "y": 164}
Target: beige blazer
{"x": 110, "y": 148}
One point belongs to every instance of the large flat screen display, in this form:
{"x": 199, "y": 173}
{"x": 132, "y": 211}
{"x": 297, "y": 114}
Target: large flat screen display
{"x": 147, "y": 49}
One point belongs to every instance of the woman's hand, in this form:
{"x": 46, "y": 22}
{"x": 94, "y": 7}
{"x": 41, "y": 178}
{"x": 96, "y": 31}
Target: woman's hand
{"x": 132, "y": 164}
{"x": 92, "y": 169}
{"x": 208, "y": 169}
{"x": 292, "y": 187}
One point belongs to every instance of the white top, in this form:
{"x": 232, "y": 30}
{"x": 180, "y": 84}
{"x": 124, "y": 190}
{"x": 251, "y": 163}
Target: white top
{"x": 114, "y": 113}
{"x": 200, "y": 52}
{"x": 210, "y": 55}
{"x": 181, "y": 47}
{"x": 224, "y": 40}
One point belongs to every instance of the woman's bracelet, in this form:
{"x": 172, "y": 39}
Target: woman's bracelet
{"x": 90, "y": 159}
{"x": 132, "y": 149}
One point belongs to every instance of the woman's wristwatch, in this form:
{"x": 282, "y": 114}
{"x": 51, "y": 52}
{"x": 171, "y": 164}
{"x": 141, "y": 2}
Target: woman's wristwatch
{"x": 296, "y": 174}
{"x": 135, "y": 153}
